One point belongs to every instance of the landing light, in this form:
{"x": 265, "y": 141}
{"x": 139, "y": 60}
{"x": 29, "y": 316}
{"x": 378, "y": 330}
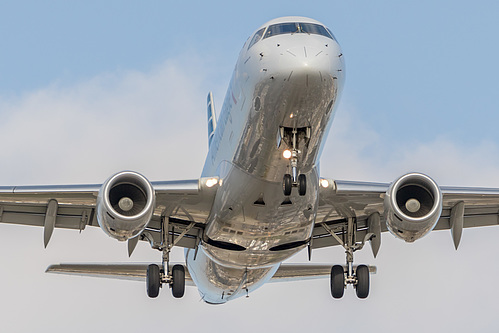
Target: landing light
{"x": 211, "y": 182}
{"x": 324, "y": 183}
{"x": 286, "y": 154}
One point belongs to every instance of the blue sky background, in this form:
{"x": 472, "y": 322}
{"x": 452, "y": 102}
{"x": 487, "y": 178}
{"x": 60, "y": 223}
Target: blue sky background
{"x": 89, "y": 88}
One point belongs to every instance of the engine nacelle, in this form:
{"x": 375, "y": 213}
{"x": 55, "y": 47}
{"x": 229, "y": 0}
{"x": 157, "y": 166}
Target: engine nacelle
{"x": 413, "y": 205}
{"x": 125, "y": 205}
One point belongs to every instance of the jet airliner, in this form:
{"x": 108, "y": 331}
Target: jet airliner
{"x": 260, "y": 198}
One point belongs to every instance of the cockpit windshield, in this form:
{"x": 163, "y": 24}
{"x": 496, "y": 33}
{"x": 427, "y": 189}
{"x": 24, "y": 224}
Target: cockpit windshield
{"x": 291, "y": 28}
{"x": 282, "y": 28}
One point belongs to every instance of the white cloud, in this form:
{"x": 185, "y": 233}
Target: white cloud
{"x": 123, "y": 120}
{"x": 356, "y": 151}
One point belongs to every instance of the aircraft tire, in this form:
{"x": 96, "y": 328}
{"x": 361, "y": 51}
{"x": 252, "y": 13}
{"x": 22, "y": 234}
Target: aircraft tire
{"x": 178, "y": 284}
{"x": 153, "y": 281}
{"x": 287, "y": 184}
{"x": 362, "y": 288}
{"x": 337, "y": 281}
{"x": 302, "y": 184}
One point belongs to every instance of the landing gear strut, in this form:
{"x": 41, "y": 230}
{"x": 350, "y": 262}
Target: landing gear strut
{"x": 175, "y": 277}
{"x": 341, "y": 277}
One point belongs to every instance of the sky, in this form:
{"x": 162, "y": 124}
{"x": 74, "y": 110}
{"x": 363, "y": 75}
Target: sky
{"x": 90, "y": 88}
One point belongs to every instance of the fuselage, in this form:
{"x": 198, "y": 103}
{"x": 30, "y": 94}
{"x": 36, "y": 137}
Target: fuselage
{"x": 285, "y": 87}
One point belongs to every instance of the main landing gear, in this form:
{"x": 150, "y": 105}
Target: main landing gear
{"x": 175, "y": 277}
{"x": 341, "y": 276}
{"x": 360, "y": 281}
{"x": 156, "y": 277}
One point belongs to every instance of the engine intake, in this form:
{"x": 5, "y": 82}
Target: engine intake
{"x": 413, "y": 205}
{"x": 125, "y": 205}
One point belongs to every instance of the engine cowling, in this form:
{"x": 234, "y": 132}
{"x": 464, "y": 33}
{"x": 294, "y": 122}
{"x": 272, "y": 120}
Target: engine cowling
{"x": 413, "y": 205}
{"x": 125, "y": 205}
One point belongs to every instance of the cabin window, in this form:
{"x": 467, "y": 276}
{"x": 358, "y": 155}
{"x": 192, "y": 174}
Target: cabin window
{"x": 256, "y": 38}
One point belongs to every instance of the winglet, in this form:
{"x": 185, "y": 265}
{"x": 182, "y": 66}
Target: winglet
{"x": 212, "y": 121}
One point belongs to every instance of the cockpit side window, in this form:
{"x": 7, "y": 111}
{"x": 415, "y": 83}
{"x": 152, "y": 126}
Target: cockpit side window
{"x": 291, "y": 28}
{"x": 332, "y": 36}
{"x": 256, "y": 38}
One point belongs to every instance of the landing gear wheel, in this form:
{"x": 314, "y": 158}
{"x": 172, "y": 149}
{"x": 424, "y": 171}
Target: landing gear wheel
{"x": 337, "y": 281}
{"x": 178, "y": 284}
{"x": 153, "y": 281}
{"x": 362, "y": 287}
{"x": 302, "y": 184}
{"x": 287, "y": 183}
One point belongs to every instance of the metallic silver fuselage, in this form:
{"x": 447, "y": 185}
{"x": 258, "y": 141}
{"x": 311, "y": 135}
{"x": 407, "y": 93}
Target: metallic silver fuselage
{"x": 290, "y": 81}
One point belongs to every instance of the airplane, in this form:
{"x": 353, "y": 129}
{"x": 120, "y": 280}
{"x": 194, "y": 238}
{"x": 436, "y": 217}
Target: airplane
{"x": 260, "y": 198}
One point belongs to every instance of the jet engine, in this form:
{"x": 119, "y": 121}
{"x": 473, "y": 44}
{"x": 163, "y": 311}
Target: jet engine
{"x": 125, "y": 205}
{"x": 413, "y": 205}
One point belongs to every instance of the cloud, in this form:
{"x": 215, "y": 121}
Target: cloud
{"x": 356, "y": 151}
{"x": 120, "y": 120}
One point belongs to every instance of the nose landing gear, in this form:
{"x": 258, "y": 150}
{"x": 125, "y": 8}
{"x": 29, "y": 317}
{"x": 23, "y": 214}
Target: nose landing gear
{"x": 288, "y": 183}
{"x": 294, "y": 179}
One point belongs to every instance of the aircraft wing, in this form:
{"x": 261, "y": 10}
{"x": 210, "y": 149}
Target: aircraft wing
{"x": 360, "y": 200}
{"x": 184, "y": 203}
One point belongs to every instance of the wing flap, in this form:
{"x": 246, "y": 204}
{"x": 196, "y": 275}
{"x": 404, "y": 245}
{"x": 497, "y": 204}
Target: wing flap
{"x": 473, "y": 217}
{"x": 68, "y": 218}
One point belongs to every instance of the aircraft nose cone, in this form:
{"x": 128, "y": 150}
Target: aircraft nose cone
{"x": 306, "y": 54}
